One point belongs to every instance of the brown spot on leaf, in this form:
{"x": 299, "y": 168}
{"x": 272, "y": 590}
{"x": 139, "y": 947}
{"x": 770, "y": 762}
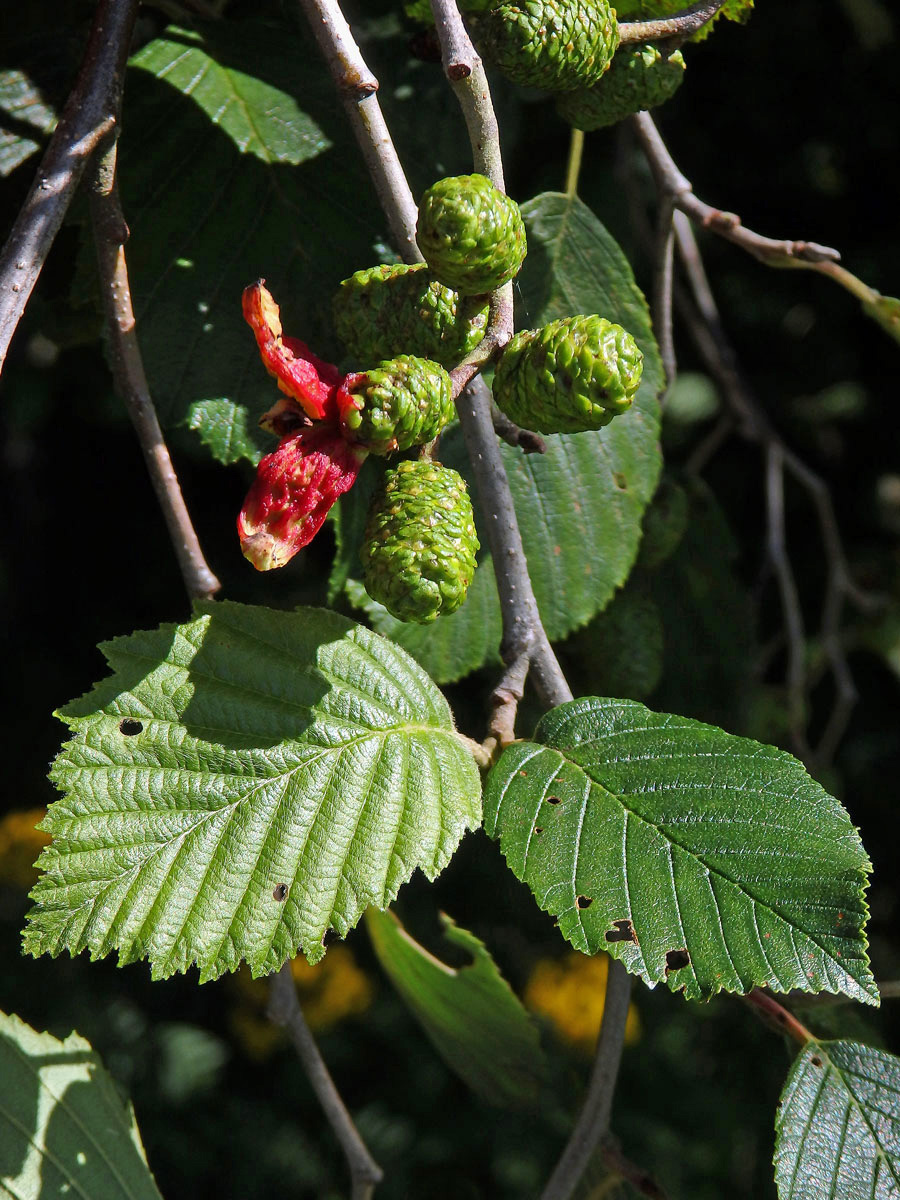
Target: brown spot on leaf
{"x": 622, "y": 931}
{"x": 816, "y": 1061}
{"x": 676, "y": 959}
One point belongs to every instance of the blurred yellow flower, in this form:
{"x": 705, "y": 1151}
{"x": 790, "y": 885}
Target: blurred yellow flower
{"x": 332, "y": 990}
{"x": 20, "y": 844}
{"x": 570, "y": 993}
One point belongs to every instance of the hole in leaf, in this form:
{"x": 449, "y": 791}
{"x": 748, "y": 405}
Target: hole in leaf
{"x": 622, "y": 931}
{"x": 816, "y": 1061}
{"x": 676, "y": 959}
{"x": 620, "y": 481}
{"x": 554, "y": 800}
{"x": 538, "y": 829}
{"x": 584, "y": 901}
{"x": 280, "y": 892}
{"x": 129, "y": 727}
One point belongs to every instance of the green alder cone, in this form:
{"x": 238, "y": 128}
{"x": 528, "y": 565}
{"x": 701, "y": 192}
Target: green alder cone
{"x": 395, "y": 309}
{"x": 420, "y": 542}
{"x": 572, "y": 375}
{"x": 557, "y": 45}
{"x": 398, "y": 404}
{"x": 639, "y": 78}
{"x": 471, "y": 235}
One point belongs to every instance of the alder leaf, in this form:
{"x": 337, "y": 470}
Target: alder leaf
{"x": 63, "y": 1127}
{"x": 579, "y": 505}
{"x": 471, "y": 1015}
{"x": 237, "y": 165}
{"x": 838, "y": 1125}
{"x": 698, "y": 858}
{"x": 241, "y": 784}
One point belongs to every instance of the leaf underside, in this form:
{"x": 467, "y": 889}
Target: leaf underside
{"x": 838, "y": 1125}
{"x": 242, "y": 784}
{"x": 63, "y": 1127}
{"x": 701, "y": 859}
{"x": 579, "y": 505}
{"x": 471, "y": 1015}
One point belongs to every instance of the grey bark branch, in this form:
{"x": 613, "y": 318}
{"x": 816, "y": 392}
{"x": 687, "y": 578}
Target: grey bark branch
{"x": 284, "y": 1009}
{"x": 110, "y": 234}
{"x": 88, "y": 115}
{"x": 592, "y": 1125}
{"x": 680, "y": 25}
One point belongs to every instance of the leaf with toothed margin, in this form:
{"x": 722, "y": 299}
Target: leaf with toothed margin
{"x": 698, "y": 858}
{"x": 838, "y": 1125}
{"x": 242, "y": 784}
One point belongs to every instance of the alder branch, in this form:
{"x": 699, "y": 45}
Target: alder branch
{"x": 592, "y": 1125}
{"x": 110, "y": 234}
{"x": 509, "y": 432}
{"x": 89, "y": 114}
{"x": 705, "y": 326}
{"x": 664, "y": 261}
{"x": 776, "y": 1016}
{"x": 284, "y": 1010}
{"x": 670, "y": 182}
{"x": 681, "y": 25}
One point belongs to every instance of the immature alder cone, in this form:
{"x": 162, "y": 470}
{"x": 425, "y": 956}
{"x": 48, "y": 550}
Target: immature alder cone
{"x": 471, "y": 235}
{"x": 400, "y": 403}
{"x": 570, "y": 376}
{"x": 420, "y": 542}
{"x": 399, "y": 309}
{"x": 639, "y": 78}
{"x": 552, "y": 44}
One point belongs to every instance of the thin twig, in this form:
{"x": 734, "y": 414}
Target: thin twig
{"x": 284, "y": 1009}
{"x": 505, "y": 702}
{"x": 358, "y": 87}
{"x": 670, "y": 181}
{"x": 777, "y": 1016}
{"x": 110, "y": 234}
{"x": 664, "y": 257}
{"x": 592, "y": 1125}
{"x": 680, "y": 25}
{"x": 790, "y": 600}
{"x": 573, "y": 166}
{"x": 89, "y": 115}
{"x": 508, "y": 431}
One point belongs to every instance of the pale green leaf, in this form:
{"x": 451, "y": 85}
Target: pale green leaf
{"x": 238, "y": 164}
{"x": 240, "y": 785}
{"x": 701, "y": 859}
{"x": 470, "y": 1013}
{"x": 838, "y": 1125}
{"x": 579, "y": 505}
{"x": 63, "y": 1128}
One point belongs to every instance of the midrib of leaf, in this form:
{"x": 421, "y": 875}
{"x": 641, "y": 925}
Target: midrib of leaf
{"x": 61, "y": 1102}
{"x": 670, "y": 840}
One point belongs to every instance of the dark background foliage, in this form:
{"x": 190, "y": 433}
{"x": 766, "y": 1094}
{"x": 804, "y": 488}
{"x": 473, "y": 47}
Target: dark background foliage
{"x": 794, "y": 122}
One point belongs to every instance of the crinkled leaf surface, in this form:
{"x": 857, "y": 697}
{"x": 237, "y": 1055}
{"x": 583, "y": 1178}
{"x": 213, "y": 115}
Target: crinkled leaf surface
{"x": 838, "y": 1125}
{"x": 63, "y": 1128}
{"x": 580, "y": 504}
{"x": 241, "y": 784}
{"x": 238, "y": 164}
{"x": 471, "y": 1015}
{"x": 701, "y": 859}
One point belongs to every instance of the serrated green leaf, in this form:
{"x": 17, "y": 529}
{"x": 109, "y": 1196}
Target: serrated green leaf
{"x": 471, "y": 1015}
{"x": 579, "y": 505}
{"x": 838, "y": 1125}
{"x": 63, "y": 1127}
{"x": 701, "y": 859}
{"x": 241, "y": 784}
{"x": 25, "y": 116}
{"x": 237, "y": 165}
